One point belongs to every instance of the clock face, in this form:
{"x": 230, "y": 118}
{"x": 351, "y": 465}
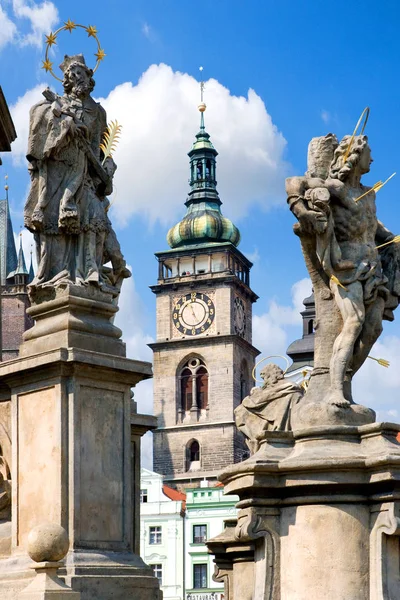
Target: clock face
{"x": 239, "y": 316}
{"x": 193, "y": 314}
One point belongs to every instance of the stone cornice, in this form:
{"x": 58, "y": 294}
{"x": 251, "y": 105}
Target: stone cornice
{"x": 7, "y": 129}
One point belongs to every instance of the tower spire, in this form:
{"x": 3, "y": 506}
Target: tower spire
{"x": 8, "y": 254}
{"x": 202, "y": 106}
{"x": 203, "y": 222}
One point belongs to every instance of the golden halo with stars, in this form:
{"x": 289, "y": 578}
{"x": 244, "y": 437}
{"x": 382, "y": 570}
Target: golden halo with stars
{"x": 51, "y": 40}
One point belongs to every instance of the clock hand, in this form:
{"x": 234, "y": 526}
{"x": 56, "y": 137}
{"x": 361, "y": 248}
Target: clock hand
{"x": 194, "y": 314}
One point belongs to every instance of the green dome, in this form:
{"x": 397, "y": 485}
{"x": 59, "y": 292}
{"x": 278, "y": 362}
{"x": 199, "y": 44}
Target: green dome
{"x": 203, "y": 222}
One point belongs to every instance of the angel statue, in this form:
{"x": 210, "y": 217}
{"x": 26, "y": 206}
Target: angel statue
{"x": 67, "y": 205}
{"x": 356, "y": 283}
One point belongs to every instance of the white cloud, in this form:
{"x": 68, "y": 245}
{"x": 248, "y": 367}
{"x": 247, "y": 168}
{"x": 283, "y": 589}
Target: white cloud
{"x": 8, "y": 29}
{"x": 28, "y": 246}
{"x": 160, "y": 119}
{"x": 130, "y": 319}
{"x": 20, "y": 115}
{"x": 146, "y": 30}
{"x": 377, "y": 387}
{"x": 42, "y": 19}
{"x": 271, "y": 330}
{"x": 325, "y": 116}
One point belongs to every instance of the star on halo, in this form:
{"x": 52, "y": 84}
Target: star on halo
{"x": 51, "y": 39}
{"x": 47, "y": 65}
{"x": 100, "y": 54}
{"x": 69, "y": 25}
{"x": 91, "y": 30}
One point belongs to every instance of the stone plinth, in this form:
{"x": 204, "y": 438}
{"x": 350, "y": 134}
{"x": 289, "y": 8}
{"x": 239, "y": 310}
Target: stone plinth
{"x": 319, "y": 517}
{"x": 76, "y": 458}
{"x": 72, "y": 316}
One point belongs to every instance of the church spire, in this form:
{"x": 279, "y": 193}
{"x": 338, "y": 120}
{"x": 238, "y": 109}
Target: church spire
{"x": 203, "y": 222}
{"x": 8, "y": 254}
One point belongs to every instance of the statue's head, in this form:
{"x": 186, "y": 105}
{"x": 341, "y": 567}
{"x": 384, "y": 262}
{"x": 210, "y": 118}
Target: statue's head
{"x": 271, "y": 374}
{"x": 357, "y": 159}
{"x": 320, "y": 155}
{"x": 78, "y": 77}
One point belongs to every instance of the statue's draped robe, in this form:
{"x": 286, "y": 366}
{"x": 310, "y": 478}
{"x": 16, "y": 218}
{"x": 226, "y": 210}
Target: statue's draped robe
{"x": 267, "y": 409}
{"x": 64, "y": 209}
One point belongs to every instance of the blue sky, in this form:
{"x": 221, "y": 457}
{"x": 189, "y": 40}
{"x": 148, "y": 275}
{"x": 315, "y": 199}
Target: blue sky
{"x": 313, "y": 66}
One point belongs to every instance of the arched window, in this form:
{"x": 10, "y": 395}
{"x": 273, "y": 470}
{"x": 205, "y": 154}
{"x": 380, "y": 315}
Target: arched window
{"x": 208, "y": 169}
{"x": 199, "y": 170}
{"x": 193, "y": 456}
{"x": 310, "y": 326}
{"x": 193, "y": 385}
{"x": 202, "y": 387}
{"x": 186, "y": 389}
{"x": 194, "y": 451}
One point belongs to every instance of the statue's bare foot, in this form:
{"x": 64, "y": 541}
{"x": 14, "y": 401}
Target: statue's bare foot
{"x": 337, "y": 399}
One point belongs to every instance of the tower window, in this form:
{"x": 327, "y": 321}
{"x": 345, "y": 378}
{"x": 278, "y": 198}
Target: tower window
{"x": 208, "y": 169}
{"x": 199, "y": 170}
{"x": 193, "y": 456}
{"x": 194, "y": 451}
{"x": 310, "y": 326}
{"x": 193, "y": 385}
{"x": 186, "y": 389}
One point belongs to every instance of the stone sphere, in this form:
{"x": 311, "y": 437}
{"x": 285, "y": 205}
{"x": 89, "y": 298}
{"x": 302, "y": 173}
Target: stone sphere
{"x": 47, "y": 542}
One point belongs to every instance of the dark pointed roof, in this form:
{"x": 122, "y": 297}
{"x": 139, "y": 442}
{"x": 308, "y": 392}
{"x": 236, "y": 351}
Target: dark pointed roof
{"x": 8, "y": 254}
{"x": 31, "y": 271}
{"x": 21, "y": 265}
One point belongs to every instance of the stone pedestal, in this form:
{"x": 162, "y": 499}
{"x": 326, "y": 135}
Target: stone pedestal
{"x": 76, "y": 458}
{"x": 319, "y": 517}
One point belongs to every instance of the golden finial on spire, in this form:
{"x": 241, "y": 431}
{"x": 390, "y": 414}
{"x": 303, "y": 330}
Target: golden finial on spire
{"x": 202, "y": 105}
{"x": 6, "y": 185}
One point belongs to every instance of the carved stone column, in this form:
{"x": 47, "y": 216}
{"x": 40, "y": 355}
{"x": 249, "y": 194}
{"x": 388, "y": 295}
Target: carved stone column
{"x": 322, "y": 515}
{"x": 76, "y": 451}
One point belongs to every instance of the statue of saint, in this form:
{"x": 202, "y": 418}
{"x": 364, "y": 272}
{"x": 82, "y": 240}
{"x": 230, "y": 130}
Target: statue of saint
{"x": 267, "y": 408}
{"x": 356, "y": 284}
{"x": 66, "y": 209}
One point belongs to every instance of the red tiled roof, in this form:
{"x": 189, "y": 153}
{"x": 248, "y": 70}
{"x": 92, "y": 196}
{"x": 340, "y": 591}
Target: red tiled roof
{"x": 173, "y": 494}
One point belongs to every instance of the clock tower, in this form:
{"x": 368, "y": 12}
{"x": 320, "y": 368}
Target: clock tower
{"x": 203, "y": 354}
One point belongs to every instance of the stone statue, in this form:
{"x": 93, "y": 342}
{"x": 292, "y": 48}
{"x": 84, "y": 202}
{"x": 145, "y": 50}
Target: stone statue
{"x": 356, "y": 285}
{"x": 267, "y": 408}
{"x": 66, "y": 209}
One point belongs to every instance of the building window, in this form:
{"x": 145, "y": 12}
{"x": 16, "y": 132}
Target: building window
{"x": 193, "y": 385}
{"x": 310, "y": 326}
{"x": 194, "y": 451}
{"x": 200, "y": 576}
{"x": 157, "y": 572}
{"x": 199, "y": 534}
{"x": 143, "y": 496}
{"x": 155, "y": 535}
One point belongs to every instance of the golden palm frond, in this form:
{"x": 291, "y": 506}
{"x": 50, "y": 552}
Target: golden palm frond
{"x": 395, "y": 240}
{"x": 336, "y": 280}
{"x": 110, "y": 139}
{"x": 381, "y": 361}
{"x": 375, "y": 188}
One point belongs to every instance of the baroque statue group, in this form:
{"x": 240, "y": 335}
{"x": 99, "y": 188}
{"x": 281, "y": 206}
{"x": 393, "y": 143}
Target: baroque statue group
{"x": 354, "y": 266}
